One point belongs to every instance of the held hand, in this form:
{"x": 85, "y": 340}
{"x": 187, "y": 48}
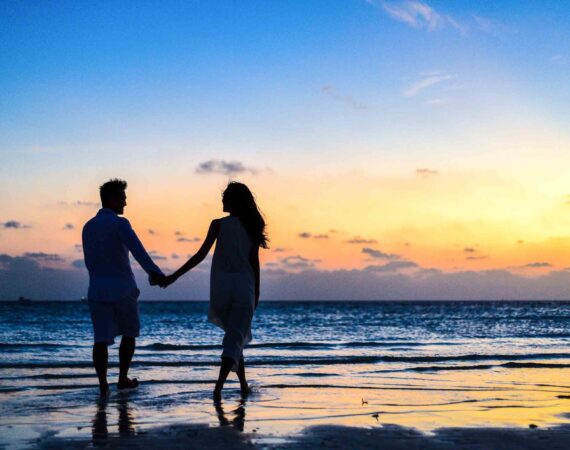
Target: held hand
{"x": 168, "y": 281}
{"x": 155, "y": 278}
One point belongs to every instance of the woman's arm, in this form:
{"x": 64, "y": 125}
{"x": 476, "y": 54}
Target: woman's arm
{"x": 211, "y": 237}
{"x": 254, "y": 261}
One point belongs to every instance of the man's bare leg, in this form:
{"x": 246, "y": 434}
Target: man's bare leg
{"x": 100, "y": 361}
{"x": 126, "y": 352}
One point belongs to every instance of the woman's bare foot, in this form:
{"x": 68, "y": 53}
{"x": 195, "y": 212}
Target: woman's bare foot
{"x": 245, "y": 390}
{"x": 217, "y": 395}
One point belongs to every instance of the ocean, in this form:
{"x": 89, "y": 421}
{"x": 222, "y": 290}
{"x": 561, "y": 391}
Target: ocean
{"x": 307, "y": 361}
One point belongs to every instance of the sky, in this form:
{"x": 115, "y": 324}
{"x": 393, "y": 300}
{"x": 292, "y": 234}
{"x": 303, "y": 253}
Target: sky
{"x": 398, "y": 149}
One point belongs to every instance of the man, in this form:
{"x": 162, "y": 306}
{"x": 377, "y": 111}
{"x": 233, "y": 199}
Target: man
{"x": 113, "y": 293}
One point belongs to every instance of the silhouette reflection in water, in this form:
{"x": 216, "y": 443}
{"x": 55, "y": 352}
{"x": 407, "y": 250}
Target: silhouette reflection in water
{"x": 125, "y": 423}
{"x": 238, "y": 420}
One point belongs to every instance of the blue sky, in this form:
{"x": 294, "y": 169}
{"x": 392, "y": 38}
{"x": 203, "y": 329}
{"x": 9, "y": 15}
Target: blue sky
{"x": 357, "y": 115}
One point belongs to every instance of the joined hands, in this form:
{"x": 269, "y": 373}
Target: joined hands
{"x": 167, "y": 281}
{"x": 158, "y": 279}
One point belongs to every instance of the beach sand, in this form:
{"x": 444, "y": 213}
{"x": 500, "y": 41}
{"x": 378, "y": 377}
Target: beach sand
{"x": 479, "y": 409}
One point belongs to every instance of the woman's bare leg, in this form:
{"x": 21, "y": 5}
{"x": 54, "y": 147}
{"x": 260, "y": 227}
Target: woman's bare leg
{"x": 244, "y": 387}
{"x": 225, "y": 369}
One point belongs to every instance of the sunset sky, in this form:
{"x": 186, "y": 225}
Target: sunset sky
{"x": 399, "y": 149}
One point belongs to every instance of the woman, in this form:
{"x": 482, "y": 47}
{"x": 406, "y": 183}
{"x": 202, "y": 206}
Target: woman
{"x": 234, "y": 279}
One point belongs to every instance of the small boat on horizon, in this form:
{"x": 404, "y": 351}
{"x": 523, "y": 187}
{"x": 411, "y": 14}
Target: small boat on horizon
{"x": 24, "y": 300}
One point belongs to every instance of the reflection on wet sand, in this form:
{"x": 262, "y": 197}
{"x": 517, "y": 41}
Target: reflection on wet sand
{"x": 238, "y": 420}
{"x": 125, "y": 422}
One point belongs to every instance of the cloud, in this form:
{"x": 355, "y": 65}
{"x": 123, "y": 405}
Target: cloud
{"x": 14, "y": 224}
{"x": 25, "y": 276}
{"x": 361, "y": 240}
{"x": 469, "y": 250}
{"x": 426, "y": 80}
{"x": 178, "y": 233}
{"x": 490, "y": 26}
{"x": 80, "y": 203}
{"x": 174, "y": 256}
{"x": 331, "y": 92}
{"x": 426, "y": 172}
{"x": 157, "y": 256}
{"x": 378, "y": 254}
{"x": 151, "y": 232}
{"x": 41, "y": 256}
{"x": 298, "y": 262}
{"x": 228, "y": 168}
{"x": 185, "y": 239}
{"x": 307, "y": 235}
{"x": 280, "y": 250}
{"x": 392, "y": 266}
{"x": 69, "y": 226}
{"x": 78, "y": 264}
{"x": 537, "y": 265}
{"x": 475, "y": 258}
{"x": 419, "y": 15}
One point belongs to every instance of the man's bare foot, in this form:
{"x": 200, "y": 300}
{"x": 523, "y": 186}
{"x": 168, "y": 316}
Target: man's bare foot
{"x": 104, "y": 390}
{"x": 127, "y": 384}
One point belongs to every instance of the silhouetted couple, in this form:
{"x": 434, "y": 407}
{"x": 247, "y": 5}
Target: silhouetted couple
{"x": 113, "y": 293}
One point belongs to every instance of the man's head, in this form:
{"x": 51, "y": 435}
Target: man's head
{"x": 113, "y": 195}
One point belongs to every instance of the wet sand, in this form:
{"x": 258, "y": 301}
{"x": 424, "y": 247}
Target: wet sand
{"x": 478, "y": 409}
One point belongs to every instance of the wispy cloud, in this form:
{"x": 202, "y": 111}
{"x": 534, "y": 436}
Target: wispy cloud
{"x": 426, "y": 172}
{"x": 229, "y": 168}
{"x": 298, "y": 262}
{"x": 537, "y": 265}
{"x": 69, "y": 226}
{"x": 419, "y": 15}
{"x": 426, "y": 80}
{"x": 307, "y": 235}
{"x": 14, "y": 224}
{"x": 469, "y": 250}
{"x": 331, "y": 92}
{"x": 379, "y": 254}
{"x": 392, "y": 266}
{"x": 490, "y": 26}
{"x": 185, "y": 239}
{"x": 80, "y": 203}
{"x": 156, "y": 255}
{"x": 41, "y": 256}
{"x": 361, "y": 240}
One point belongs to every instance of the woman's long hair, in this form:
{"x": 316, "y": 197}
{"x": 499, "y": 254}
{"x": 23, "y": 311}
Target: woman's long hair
{"x": 239, "y": 201}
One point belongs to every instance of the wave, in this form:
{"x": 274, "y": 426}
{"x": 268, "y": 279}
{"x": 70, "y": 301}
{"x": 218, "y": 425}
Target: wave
{"x": 325, "y": 361}
{"x": 508, "y": 365}
{"x": 294, "y": 345}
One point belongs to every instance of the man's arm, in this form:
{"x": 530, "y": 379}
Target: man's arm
{"x": 132, "y": 242}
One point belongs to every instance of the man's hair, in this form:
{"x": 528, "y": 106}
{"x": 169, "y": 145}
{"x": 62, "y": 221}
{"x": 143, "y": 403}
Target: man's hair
{"x": 111, "y": 188}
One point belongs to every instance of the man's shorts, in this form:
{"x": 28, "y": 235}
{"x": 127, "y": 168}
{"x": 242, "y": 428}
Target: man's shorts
{"x": 115, "y": 318}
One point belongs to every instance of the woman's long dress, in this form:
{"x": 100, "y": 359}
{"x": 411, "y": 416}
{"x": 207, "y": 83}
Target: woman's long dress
{"x": 232, "y": 287}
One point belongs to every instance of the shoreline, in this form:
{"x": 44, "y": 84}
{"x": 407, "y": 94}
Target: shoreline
{"x": 385, "y": 436}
